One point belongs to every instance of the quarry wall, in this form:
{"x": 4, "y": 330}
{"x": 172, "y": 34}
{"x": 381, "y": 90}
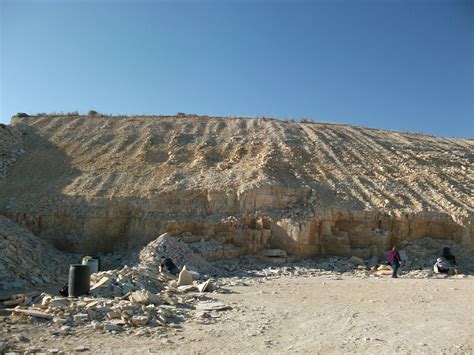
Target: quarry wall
{"x": 90, "y": 185}
{"x": 104, "y": 225}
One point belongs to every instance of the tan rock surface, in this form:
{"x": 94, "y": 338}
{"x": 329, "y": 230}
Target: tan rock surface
{"x": 96, "y": 184}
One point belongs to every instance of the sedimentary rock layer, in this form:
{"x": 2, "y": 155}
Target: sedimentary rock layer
{"x": 92, "y": 184}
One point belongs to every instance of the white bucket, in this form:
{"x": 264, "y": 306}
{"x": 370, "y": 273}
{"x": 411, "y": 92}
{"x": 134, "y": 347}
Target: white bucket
{"x": 93, "y": 264}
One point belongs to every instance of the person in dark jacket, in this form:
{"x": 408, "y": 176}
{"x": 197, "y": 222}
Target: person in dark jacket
{"x": 394, "y": 260}
{"x": 169, "y": 266}
{"x": 448, "y": 256}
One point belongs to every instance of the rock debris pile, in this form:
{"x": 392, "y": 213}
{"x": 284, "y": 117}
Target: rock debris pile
{"x": 167, "y": 246}
{"x": 129, "y": 298}
{"x": 26, "y": 260}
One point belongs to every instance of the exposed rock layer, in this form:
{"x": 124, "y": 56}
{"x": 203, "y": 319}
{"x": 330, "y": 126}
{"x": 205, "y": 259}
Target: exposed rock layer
{"x": 94, "y": 184}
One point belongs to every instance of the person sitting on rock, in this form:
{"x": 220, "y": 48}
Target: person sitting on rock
{"x": 394, "y": 260}
{"x": 448, "y": 256}
{"x": 441, "y": 266}
{"x": 169, "y": 266}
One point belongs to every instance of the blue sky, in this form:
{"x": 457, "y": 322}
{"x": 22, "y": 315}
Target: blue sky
{"x": 402, "y": 65}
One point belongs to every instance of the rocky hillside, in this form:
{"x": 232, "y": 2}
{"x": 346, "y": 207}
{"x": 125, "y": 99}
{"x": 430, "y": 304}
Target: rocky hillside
{"x": 99, "y": 182}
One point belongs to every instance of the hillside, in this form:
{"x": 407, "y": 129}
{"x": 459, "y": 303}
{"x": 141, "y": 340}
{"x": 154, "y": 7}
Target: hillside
{"x": 98, "y": 182}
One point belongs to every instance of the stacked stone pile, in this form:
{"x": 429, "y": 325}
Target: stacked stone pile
{"x": 26, "y": 260}
{"x": 11, "y": 147}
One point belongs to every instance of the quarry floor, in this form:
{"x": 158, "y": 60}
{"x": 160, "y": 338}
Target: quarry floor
{"x": 288, "y": 314}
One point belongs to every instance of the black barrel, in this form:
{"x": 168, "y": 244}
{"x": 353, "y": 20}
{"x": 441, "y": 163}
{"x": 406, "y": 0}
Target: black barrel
{"x": 79, "y": 280}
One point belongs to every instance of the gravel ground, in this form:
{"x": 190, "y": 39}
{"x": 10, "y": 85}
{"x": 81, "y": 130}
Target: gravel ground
{"x": 301, "y": 314}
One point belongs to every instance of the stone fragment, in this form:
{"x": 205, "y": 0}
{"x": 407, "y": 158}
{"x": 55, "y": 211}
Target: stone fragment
{"x": 139, "y": 320}
{"x": 144, "y": 297}
{"x": 103, "y": 282}
{"x": 46, "y": 299}
{"x": 185, "y": 277}
{"x": 113, "y": 314}
{"x": 3, "y": 346}
{"x": 92, "y": 305}
{"x": 139, "y": 297}
{"x": 33, "y": 313}
{"x": 205, "y": 287}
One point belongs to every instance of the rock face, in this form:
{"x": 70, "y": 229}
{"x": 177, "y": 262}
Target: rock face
{"x": 11, "y": 147}
{"x": 232, "y": 186}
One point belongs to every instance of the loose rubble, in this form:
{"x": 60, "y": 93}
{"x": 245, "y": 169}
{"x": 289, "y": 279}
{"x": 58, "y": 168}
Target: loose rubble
{"x": 139, "y": 297}
{"x": 124, "y": 299}
{"x": 26, "y": 260}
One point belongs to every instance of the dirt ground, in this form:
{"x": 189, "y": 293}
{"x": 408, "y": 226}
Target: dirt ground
{"x": 331, "y": 314}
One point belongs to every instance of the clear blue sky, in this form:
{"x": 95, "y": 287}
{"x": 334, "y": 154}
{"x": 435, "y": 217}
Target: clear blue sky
{"x": 403, "y": 65}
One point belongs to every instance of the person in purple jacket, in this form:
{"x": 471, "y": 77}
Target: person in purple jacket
{"x": 394, "y": 260}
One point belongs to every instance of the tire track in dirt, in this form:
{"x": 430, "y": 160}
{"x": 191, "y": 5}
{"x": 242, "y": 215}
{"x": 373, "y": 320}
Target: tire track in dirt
{"x": 367, "y": 163}
{"x": 426, "y": 179}
{"x": 357, "y": 189}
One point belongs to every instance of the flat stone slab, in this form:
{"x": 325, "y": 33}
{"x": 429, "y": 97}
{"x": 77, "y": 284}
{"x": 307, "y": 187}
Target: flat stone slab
{"x": 31, "y": 312}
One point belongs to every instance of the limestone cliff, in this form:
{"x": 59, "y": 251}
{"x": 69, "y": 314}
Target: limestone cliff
{"x": 92, "y": 184}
